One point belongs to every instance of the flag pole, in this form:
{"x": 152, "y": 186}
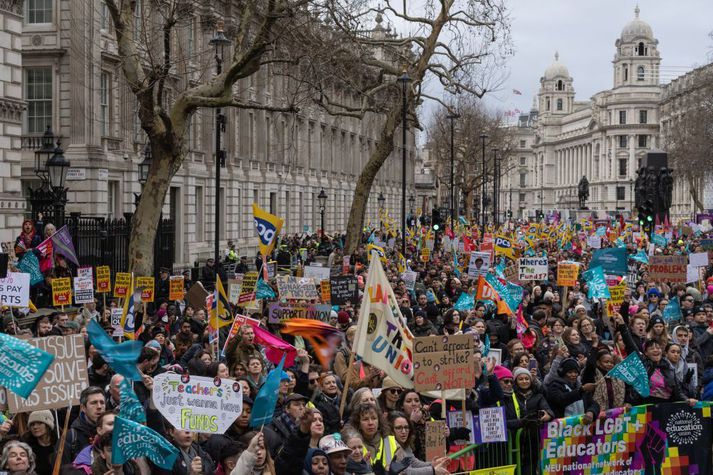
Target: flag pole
{"x": 62, "y": 440}
{"x": 348, "y": 381}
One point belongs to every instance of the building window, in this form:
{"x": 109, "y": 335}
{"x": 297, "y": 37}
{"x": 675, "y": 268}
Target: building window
{"x": 548, "y": 103}
{"x": 38, "y": 94}
{"x": 626, "y": 73}
{"x": 643, "y": 141}
{"x": 200, "y": 213}
{"x": 273, "y": 203}
{"x": 523, "y": 160}
{"x": 623, "y": 141}
{"x": 622, "y": 117}
{"x": 39, "y": 11}
{"x": 643, "y": 117}
{"x": 104, "y": 103}
{"x": 622, "y": 166}
{"x": 641, "y": 49}
{"x": 112, "y": 199}
{"x": 104, "y": 17}
{"x": 620, "y": 193}
{"x": 559, "y": 104}
{"x": 521, "y": 197}
{"x": 523, "y": 143}
{"x": 560, "y": 85}
{"x": 523, "y": 179}
{"x": 640, "y": 73}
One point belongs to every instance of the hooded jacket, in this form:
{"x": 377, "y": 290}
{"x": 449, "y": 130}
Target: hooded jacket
{"x": 568, "y": 399}
{"x": 80, "y": 436}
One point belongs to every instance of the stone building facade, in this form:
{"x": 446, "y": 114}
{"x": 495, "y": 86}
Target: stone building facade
{"x": 72, "y": 80}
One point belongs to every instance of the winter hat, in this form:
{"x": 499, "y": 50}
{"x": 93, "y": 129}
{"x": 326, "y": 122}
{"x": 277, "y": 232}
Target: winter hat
{"x": 41, "y": 416}
{"x": 518, "y": 371}
{"x": 579, "y": 307}
{"x": 567, "y": 365}
{"x": 154, "y": 345}
{"x": 333, "y": 314}
{"x": 654, "y": 320}
{"x": 342, "y": 317}
{"x": 653, "y": 292}
{"x": 548, "y": 296}
{"x": 308, "y": 460}
{"x": 633, "y": 309}
{"x": 709, "y": 289}
{"x": 698, "y": 309}
{"x": 693, "y": 292}
{"x": 501, "y": 372}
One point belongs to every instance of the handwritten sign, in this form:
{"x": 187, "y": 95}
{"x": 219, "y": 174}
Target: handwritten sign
{"x": 296, "y": 288}
{"x": 247, "y": 288}
{"x": 532, "y": 268}
{"x": 61, "y": 291}
{"x": 103, "y": 279}
{"x": 146, "y": 284}
{"x": 344, "y": 289}
{"x": 280, "y": 313}
{"x": 435, "y": 440}
{"x": 326, "y": 290}
{"x": 318, "y": 273}
{"x": 490, "y": 425}
{"x": 425, "y": 254}
{"x": 443, "y": 362}
{"x": 175, "y": 287}
{"x": 668, "y": 269}
{"x": 15, "y": 290}
{"x": 64, "y": 379}
{"x": 122, "y": 282}
{"x": 83, "y": 290}
{"x": 198, "y": 404}
{"x": 567, "y": 273}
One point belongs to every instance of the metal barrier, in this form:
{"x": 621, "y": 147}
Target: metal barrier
{"x": 521, "y": 450}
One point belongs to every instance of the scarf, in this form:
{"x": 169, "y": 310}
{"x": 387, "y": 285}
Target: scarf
{"x": 27, "y": 237}
{"x": 608, "y": 392}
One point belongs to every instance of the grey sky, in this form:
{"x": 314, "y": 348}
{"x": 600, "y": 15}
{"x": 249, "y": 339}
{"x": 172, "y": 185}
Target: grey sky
{"x": 584, "y": 34}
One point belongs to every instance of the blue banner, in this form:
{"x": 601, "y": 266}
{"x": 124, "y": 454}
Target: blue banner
{"x": 129, "y": 405}
{"x": 30, "y": 265}
{"x": 601, "y": 231}
{"x": 132, "y": 440}
{"x": 659, "y": 240}
{"x": 640, "y": 256}
{"x": 465, "y": 302}
{"x": 21, "y": 365}
{"x": 672, "y": 311}
{"x": 598, "y": 288}
{"x": 121, "y": 357}
{"x": 266, "y": 399}
{"x": 633, "y": 373}
{"x": 612, "y": 260}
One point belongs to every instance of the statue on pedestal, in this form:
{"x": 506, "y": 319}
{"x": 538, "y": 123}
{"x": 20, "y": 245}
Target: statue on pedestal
{"x": 583, "y": 192}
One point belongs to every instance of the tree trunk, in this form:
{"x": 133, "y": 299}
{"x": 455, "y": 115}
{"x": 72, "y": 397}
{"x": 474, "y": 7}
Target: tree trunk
{"x": 366, "y": 179}
{"x": 698, "y": 206}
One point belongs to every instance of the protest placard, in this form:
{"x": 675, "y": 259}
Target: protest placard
{"x": 479, "y": 264}
{"x": 425, "y": 254}
{"x": 247, "y": 289}
{"x": 317, "y": 273}
{"x": 196, "y": 296}
{"x": 176, "y": 287}
{"x": 15, "y": 290}
{"x": 567, "y": 273}
{"x": 116, "y": 322}
{"x": 326, "y": 290}
{"x": 271, "y": 269}
{"x": 86, "y": 272}
{"x": 668, "y": 269}
{"x": 61, "y": 291}
{"x": 122, "y": 282}
{"x": 612, "y": 260}
{"x": 490, "y": 425}
{"x": 346, "y": 264}
{"x": 198, "y": 404}
{"x": 103, "y": 279}
{"x": 146, "y": 284}
{"x": 595, "y": 242}
{"x": 532, "y": 268}
{"x": 409, "y": 277}
{"x": 443, "y": 362}
{"x": 278, "y": 313}
{"x": 296, "y": 288}
{"x": 698, "y": 259}
{"x": 455, "y": 420}
{"x": 435, "y": 440}
{"x": 83, "y": 290}
{"x": 64, "y": 379}
{"x": 344, "y": 289}
{"x": 234, "y": 287}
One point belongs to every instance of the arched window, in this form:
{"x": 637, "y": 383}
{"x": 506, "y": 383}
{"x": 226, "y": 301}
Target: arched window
{"x": 548, "y": 103}
{"x": 641, "y": 49}
{"x": 640, "y": 73}
{"x": 559, "y": 104}
{"x": 560, "y": 85}
{"x": 626, "y": 73}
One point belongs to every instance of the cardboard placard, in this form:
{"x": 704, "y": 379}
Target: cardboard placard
{"x": 443, "y": 362}
{"x": 15, "y": 290}
{"x": 234, "y": 287}
{"x": 435, "y": 440}
{"x": 61, "y": 291}
{"x": 83, "y": 290}
{"x": 103, "y": 279}
{"x": 479, "y": 264}
{"x": 64, "y": 379}
{"x": 176, "y": 287}
{"x": 296, "y": 288}
{"x": 86, "y": 272}
{"x": 532, "y": 268}
{"x": 490, "y": 425}
{"x": 318, "y": 273}
{"x": 279, "y": 313}
{"x": 247, "y": 289}
{"x": 196, "y": 296}
{"x": 326, "y": 291}
{"x": 146, "y": 284}
{"x": 409, "y": 277}
{"x": 567, "y": 273}
{"x": 344, "y": 289}
{"x": 122, "y": 282}
{"x": 668, "y": 269}
{"x": 198, "y": 404}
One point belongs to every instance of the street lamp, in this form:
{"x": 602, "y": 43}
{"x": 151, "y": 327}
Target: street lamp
{"x": 144, "y": 168}
{"x": 381, "y": 202}
{"x": 453, "y": 116}
{"x": 322, "y": 198}
{"x": 220, "y": 42}
{"x": 43, "y": 155}
{"x": 483, "y": 137}
{"x": 404, "y": 79}
{"x": 496, "y": 186}
{"x": 57, "y": 168}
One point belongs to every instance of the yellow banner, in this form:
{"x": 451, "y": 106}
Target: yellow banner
{"x": 504, "y": 470}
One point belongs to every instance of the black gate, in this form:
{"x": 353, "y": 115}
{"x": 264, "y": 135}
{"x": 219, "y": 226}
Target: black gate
{"x": 100, "y": 241}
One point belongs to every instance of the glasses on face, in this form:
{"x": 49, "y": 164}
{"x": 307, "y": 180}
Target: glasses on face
{"x": 313, "y": 380}
{"x": 506, "y": 381}
{"x": 394, "y": 390}
{"x": 401, "y": 428}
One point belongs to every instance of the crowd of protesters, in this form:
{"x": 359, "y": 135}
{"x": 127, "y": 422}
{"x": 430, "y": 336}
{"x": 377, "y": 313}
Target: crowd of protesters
{"x": 556, "y": 368}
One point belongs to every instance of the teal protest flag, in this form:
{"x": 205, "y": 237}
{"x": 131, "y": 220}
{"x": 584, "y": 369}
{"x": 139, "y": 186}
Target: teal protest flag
{"x": 266, "y": 399}
{"x": 620, "y": 243}
{"x": 659, "y": 240}
{"x": 430, "y": 296}
{"x": 486, "y": 345}
{"x": 510, "y": 293}
{"x": 500, "y": 268}
{"x": 21, "y": 365}
{"x": 633, "y": 373}
{"x": 612, "y": 260}
{"x": 640, "y": 256}
{"x": 264, "y": 291}
{"x": 465, "y": 302}
{"x": 601, "y": 231}
{"x": 132, "y": 440}
{"x": 120, "y": 356}
{"x": 515, "y": 293}
{"x": 129, "y": 406}
{"x": 30, "y": 265}
{"x": 672, "y": 311}
{"x": 598, "y": 288}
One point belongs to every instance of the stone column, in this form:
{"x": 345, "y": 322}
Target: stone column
{"x": 12, "y": 203}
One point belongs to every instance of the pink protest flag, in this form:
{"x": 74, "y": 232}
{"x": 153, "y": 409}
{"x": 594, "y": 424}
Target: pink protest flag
{"x": 62, "y": 244}
{"x": 275, "y": 347}
{"x": 47, "y": 257}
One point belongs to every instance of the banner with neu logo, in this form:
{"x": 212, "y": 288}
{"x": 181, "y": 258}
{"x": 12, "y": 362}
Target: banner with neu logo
{"x": 268, "y": 227}
{"x": 659, "y": 439}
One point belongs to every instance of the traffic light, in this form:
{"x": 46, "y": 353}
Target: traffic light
{"x": 646, "y": 216}
{"x": 436, "y": 222}
{"x": 509, "y": 213}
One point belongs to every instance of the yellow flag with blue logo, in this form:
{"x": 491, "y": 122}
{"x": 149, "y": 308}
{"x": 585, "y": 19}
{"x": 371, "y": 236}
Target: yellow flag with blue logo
{"x": 504, "y": 247}
{"x": 268, "y": 228}
{"x": 401, "y": 263}
{"x": 371, "y": 248}
{"x": 128, "y": 311}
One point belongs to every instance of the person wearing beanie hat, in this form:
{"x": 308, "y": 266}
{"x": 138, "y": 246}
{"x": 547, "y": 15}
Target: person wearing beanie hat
{"x": 501, "y": 372}
{"x": 657, "y": 330}
{"x": 567, "y": 396}
{"x": 42, "y": 438}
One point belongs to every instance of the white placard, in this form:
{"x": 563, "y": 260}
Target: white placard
{"x": 692, "y": 274}
{"x": 492, "y": 425}
{"x": 479, "y": 264}
{"x": 15, "y": 290}
{"x": 317, "y": 273}
{"x": 85, "y": 272}
{"x": 116, "y": 322}
{"x": 409, "y": 278}
{"x": 595, "y": 242}
{"x": 83, "y": 290}
{"x": 698, "y": 259}
{"x": 532, "y": 268}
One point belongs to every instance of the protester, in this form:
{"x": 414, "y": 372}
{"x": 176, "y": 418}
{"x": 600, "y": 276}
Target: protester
{"x": 18, "y": 459}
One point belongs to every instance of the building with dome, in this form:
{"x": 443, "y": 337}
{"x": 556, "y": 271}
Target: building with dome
{"x": 604, "y": 138}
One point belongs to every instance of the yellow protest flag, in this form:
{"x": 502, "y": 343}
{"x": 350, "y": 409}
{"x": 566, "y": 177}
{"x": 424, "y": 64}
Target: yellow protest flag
{"x": 268, "y": 228}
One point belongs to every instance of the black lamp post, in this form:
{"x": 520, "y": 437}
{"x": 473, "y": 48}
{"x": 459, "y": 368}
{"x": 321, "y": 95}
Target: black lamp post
{"x": 144, "y": 168}
{"x": 483, "y": 137}
{"x": 57, "y": 168}
{"x": 452, "y": 117}
{"x": 322, "y": 198}
{"x": 219, "y": 41}
{"x": 404, "y": 79}
{"x": 51, "y": 168}
{"x": 496, "y": 187}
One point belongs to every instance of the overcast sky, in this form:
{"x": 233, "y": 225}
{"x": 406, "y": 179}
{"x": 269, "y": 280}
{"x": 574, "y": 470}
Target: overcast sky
{"x": 584, "y": 34}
